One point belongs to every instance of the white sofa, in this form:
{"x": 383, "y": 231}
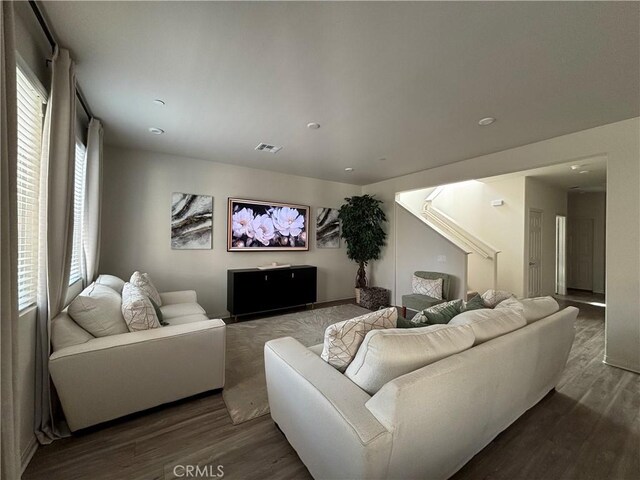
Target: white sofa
{"x": 99, "y": 379}
{"x": 425, "y": 424}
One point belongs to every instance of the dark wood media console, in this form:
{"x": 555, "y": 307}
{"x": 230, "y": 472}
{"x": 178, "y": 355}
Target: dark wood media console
{"x": 252, "y": 290}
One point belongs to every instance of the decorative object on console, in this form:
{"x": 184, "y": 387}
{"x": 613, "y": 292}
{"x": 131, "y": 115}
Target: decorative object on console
{"x": 191, "y": 221}
{"x": 273, "y": 266}
{"x": 327, "y": 228}
{"x": 254, "y": 225}
{"x": 362, "y": 220}
{"x": 252, "y": 290}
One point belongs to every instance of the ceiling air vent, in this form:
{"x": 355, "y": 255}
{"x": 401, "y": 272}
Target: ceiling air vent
{"x": 265, "y": 147}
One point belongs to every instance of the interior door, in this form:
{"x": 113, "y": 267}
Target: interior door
{"x": 535, "y": 252}
{"x": 581, "y": 254}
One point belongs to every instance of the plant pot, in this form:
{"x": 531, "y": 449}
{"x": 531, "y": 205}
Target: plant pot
{"x": 358, "y": 296}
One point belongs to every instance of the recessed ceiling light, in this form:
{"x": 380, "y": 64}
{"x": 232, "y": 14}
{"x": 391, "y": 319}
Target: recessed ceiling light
{"x": 575, "y": 167}
{"x": 585, "y": 171}
{"x": 157, "y": 101}
{"x": 313, "y": 125}
{"x": 483, "y": 122}
{"x": 156, "y": 131}
{"x": 348, "y": 169}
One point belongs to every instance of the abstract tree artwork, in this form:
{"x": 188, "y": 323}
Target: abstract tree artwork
{"x": 327, "y": 228}
{"x": 191, "y": 221}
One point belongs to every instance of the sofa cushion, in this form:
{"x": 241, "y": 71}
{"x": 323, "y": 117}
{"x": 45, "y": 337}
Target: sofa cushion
{"x": 427, "y": 286}
{"x": 441, "y": 313}
{"x": 317, "y": 349}
{"x": 342, "y": 339}
{"x": 196, "y": 317}
{"x": 137, "y": 309}
{"x": 488, "y": 323}
{"x": 533, "y": 309}
{"x": 97, "y": 309}
{"x": 180, "y": 310}
{"x": 388, "y": 354}
{"x": 494, "y": 297}
{"x": 66, "y": 333}
{"x": 143, "y": 281}
{"x": 111, "y": 281}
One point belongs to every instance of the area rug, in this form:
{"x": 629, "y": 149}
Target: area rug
{"x": 245, "y": 389}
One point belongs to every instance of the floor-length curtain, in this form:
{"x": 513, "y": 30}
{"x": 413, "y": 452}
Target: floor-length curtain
{"x": 9, "y": 432}
{"x": 92, "y": 202}
{"x": 56, "y": 232}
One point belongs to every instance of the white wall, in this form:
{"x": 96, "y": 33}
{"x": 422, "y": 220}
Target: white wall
{"x": 620, "y": 143}
{"x": 34, "y": 49}
{"x": 593, "y": 205}
{"x": 136, "y": 215}
{"x": 469, "y": 204}
{"x": 551, "y": 201}
{"x": 419, "y": 247}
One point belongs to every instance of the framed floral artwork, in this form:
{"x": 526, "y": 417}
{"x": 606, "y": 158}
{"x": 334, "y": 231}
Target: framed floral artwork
{"x": 253, "y": 225}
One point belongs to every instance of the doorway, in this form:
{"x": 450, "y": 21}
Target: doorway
{"x": 535, "y": 252}
{"x": 561, "y": 255}
{"x": 580, "y": 274}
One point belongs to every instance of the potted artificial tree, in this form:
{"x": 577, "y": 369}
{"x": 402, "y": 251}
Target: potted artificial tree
{"x": 362, "y": 220}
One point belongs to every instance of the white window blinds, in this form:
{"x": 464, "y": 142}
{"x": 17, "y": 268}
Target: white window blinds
{"x": 30, "y": 109}
{"x": 78, "y": 206}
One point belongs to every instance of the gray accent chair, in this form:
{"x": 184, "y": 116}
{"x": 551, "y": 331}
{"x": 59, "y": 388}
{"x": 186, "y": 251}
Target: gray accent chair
{"x": 418, "y": 302}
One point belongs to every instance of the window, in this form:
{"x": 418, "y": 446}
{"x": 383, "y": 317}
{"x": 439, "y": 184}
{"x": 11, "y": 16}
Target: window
{"x": 78, "y": 209}
{"x": 30, "y": 109}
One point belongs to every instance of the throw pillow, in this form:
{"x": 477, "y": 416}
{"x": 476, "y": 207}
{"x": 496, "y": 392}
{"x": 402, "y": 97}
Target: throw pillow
{"x": 494, "y": 297}
{"x": 488, "y": 324}
{"x": 342, "y": 339}
{"x": 111, "y": 281}
{"x": 98, "y": 310}
{"x": 388, "y": 354}
{"x": 441, "y": 313}
{"x": 143, "y": 281}
{"x": 137, "y": 309}
{"x": 426, "y": 286}
{"x": 476, "y": 303}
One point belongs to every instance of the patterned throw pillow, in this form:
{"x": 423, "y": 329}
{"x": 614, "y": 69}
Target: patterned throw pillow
{"x": 137, "y": 309}
{"x": 438, "y": 314}
{"x": 342, "y": 339}
{"x": 476, "y": 303}
{"x": 426, "y": 286}
{"x": 494, "y": 297}
{"x": 144, "y": 283}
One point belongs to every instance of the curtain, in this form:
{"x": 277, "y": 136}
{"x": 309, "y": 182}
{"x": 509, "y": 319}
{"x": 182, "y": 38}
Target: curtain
{"x": 56, "y": 233}
{"x": 9, "y": 432}
{"x": 92, "y": 202}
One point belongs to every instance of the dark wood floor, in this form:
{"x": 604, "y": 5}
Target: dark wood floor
{"x": 588, "y": 429}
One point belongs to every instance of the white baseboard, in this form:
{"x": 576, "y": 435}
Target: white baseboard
{"x": 623, "y": 365}
{"x": 29, "y": 452}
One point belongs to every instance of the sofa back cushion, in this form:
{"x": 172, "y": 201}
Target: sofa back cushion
{"x": 111, "y": 281}
{"x": 388, "y": 354}
{"x": 342, "y": 339}
{"x": 144, "y": 283}
{"x": 137, "y": 309}
{"x": 488, "y": 324}
{"x": 533, "y": 309}
{"x": 66, "y": 333}
{"x": 98, "y": 311}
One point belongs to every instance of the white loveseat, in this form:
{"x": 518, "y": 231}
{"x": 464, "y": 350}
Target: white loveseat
{"x": 425, "y": 424}
{"x": 99, "y": 379}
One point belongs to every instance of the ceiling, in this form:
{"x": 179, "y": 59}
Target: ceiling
{"x": 586, "y": 175}
{"x": 396, "y": 87}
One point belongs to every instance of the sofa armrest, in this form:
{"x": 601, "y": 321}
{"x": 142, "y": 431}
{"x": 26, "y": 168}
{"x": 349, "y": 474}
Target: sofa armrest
{"x": 183, "y": 296}
{"x": 323, "y": 414}
{"x": 108, "y": 377}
